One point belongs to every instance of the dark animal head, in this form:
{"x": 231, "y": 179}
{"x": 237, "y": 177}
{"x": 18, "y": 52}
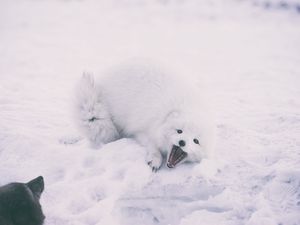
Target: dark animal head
{"x": 19, "y": 203}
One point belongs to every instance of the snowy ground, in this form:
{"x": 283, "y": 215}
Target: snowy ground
{"x": 247, "y": 57}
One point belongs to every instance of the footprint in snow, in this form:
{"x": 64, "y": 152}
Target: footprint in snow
{"x": 283, "y": 192}
{"x": 166, "y": 204}
{"x": 69, "y": 140}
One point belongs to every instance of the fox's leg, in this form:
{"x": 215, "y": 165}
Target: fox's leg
{"x": 154, "y": 157}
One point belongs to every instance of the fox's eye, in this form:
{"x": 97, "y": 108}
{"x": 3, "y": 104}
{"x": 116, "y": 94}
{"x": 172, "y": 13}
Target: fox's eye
{"x": 179, "y": 131}
{"x": 196, "y": 141}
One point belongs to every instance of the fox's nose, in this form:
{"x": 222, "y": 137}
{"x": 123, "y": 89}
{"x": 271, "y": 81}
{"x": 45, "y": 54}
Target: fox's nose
{"x": 181, "y": 143}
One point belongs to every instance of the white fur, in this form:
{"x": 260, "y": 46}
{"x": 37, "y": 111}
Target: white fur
{"x": 144, "y": 102}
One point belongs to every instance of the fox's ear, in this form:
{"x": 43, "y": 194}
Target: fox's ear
{"x": 36, "y": 186}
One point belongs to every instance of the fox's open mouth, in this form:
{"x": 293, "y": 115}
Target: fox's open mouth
{"x": 176, "y": 156}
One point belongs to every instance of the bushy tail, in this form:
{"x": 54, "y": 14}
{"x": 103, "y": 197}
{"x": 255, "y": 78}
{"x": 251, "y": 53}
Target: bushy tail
{"x": 92, "y": 114}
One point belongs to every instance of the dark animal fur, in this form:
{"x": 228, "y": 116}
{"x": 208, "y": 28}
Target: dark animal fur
{"x": 19, "y": 203}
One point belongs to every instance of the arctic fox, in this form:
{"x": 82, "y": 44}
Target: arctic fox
{"x": 161, "y": 111}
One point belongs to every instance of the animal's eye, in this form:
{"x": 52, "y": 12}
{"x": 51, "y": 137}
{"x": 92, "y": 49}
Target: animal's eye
{"x": 179, "y": 131}
{"x": 196, "y": 141}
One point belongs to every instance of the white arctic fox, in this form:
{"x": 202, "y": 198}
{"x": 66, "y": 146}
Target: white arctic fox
{"x": 162, "y": 112}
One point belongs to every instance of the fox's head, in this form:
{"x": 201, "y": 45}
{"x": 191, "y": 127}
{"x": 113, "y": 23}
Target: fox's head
{"x": 186, "y": 140}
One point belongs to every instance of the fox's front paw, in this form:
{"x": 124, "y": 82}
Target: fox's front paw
{"x": 155, "y": 161}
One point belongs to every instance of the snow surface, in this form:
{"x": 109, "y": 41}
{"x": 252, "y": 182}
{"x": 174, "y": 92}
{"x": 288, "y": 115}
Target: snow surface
{"x": 248, "y": 60}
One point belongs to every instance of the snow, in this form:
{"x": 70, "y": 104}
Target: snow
{"x": 247, "y": 59}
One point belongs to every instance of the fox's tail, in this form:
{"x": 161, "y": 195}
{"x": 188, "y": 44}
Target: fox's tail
{"x": 92, "y": 114}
